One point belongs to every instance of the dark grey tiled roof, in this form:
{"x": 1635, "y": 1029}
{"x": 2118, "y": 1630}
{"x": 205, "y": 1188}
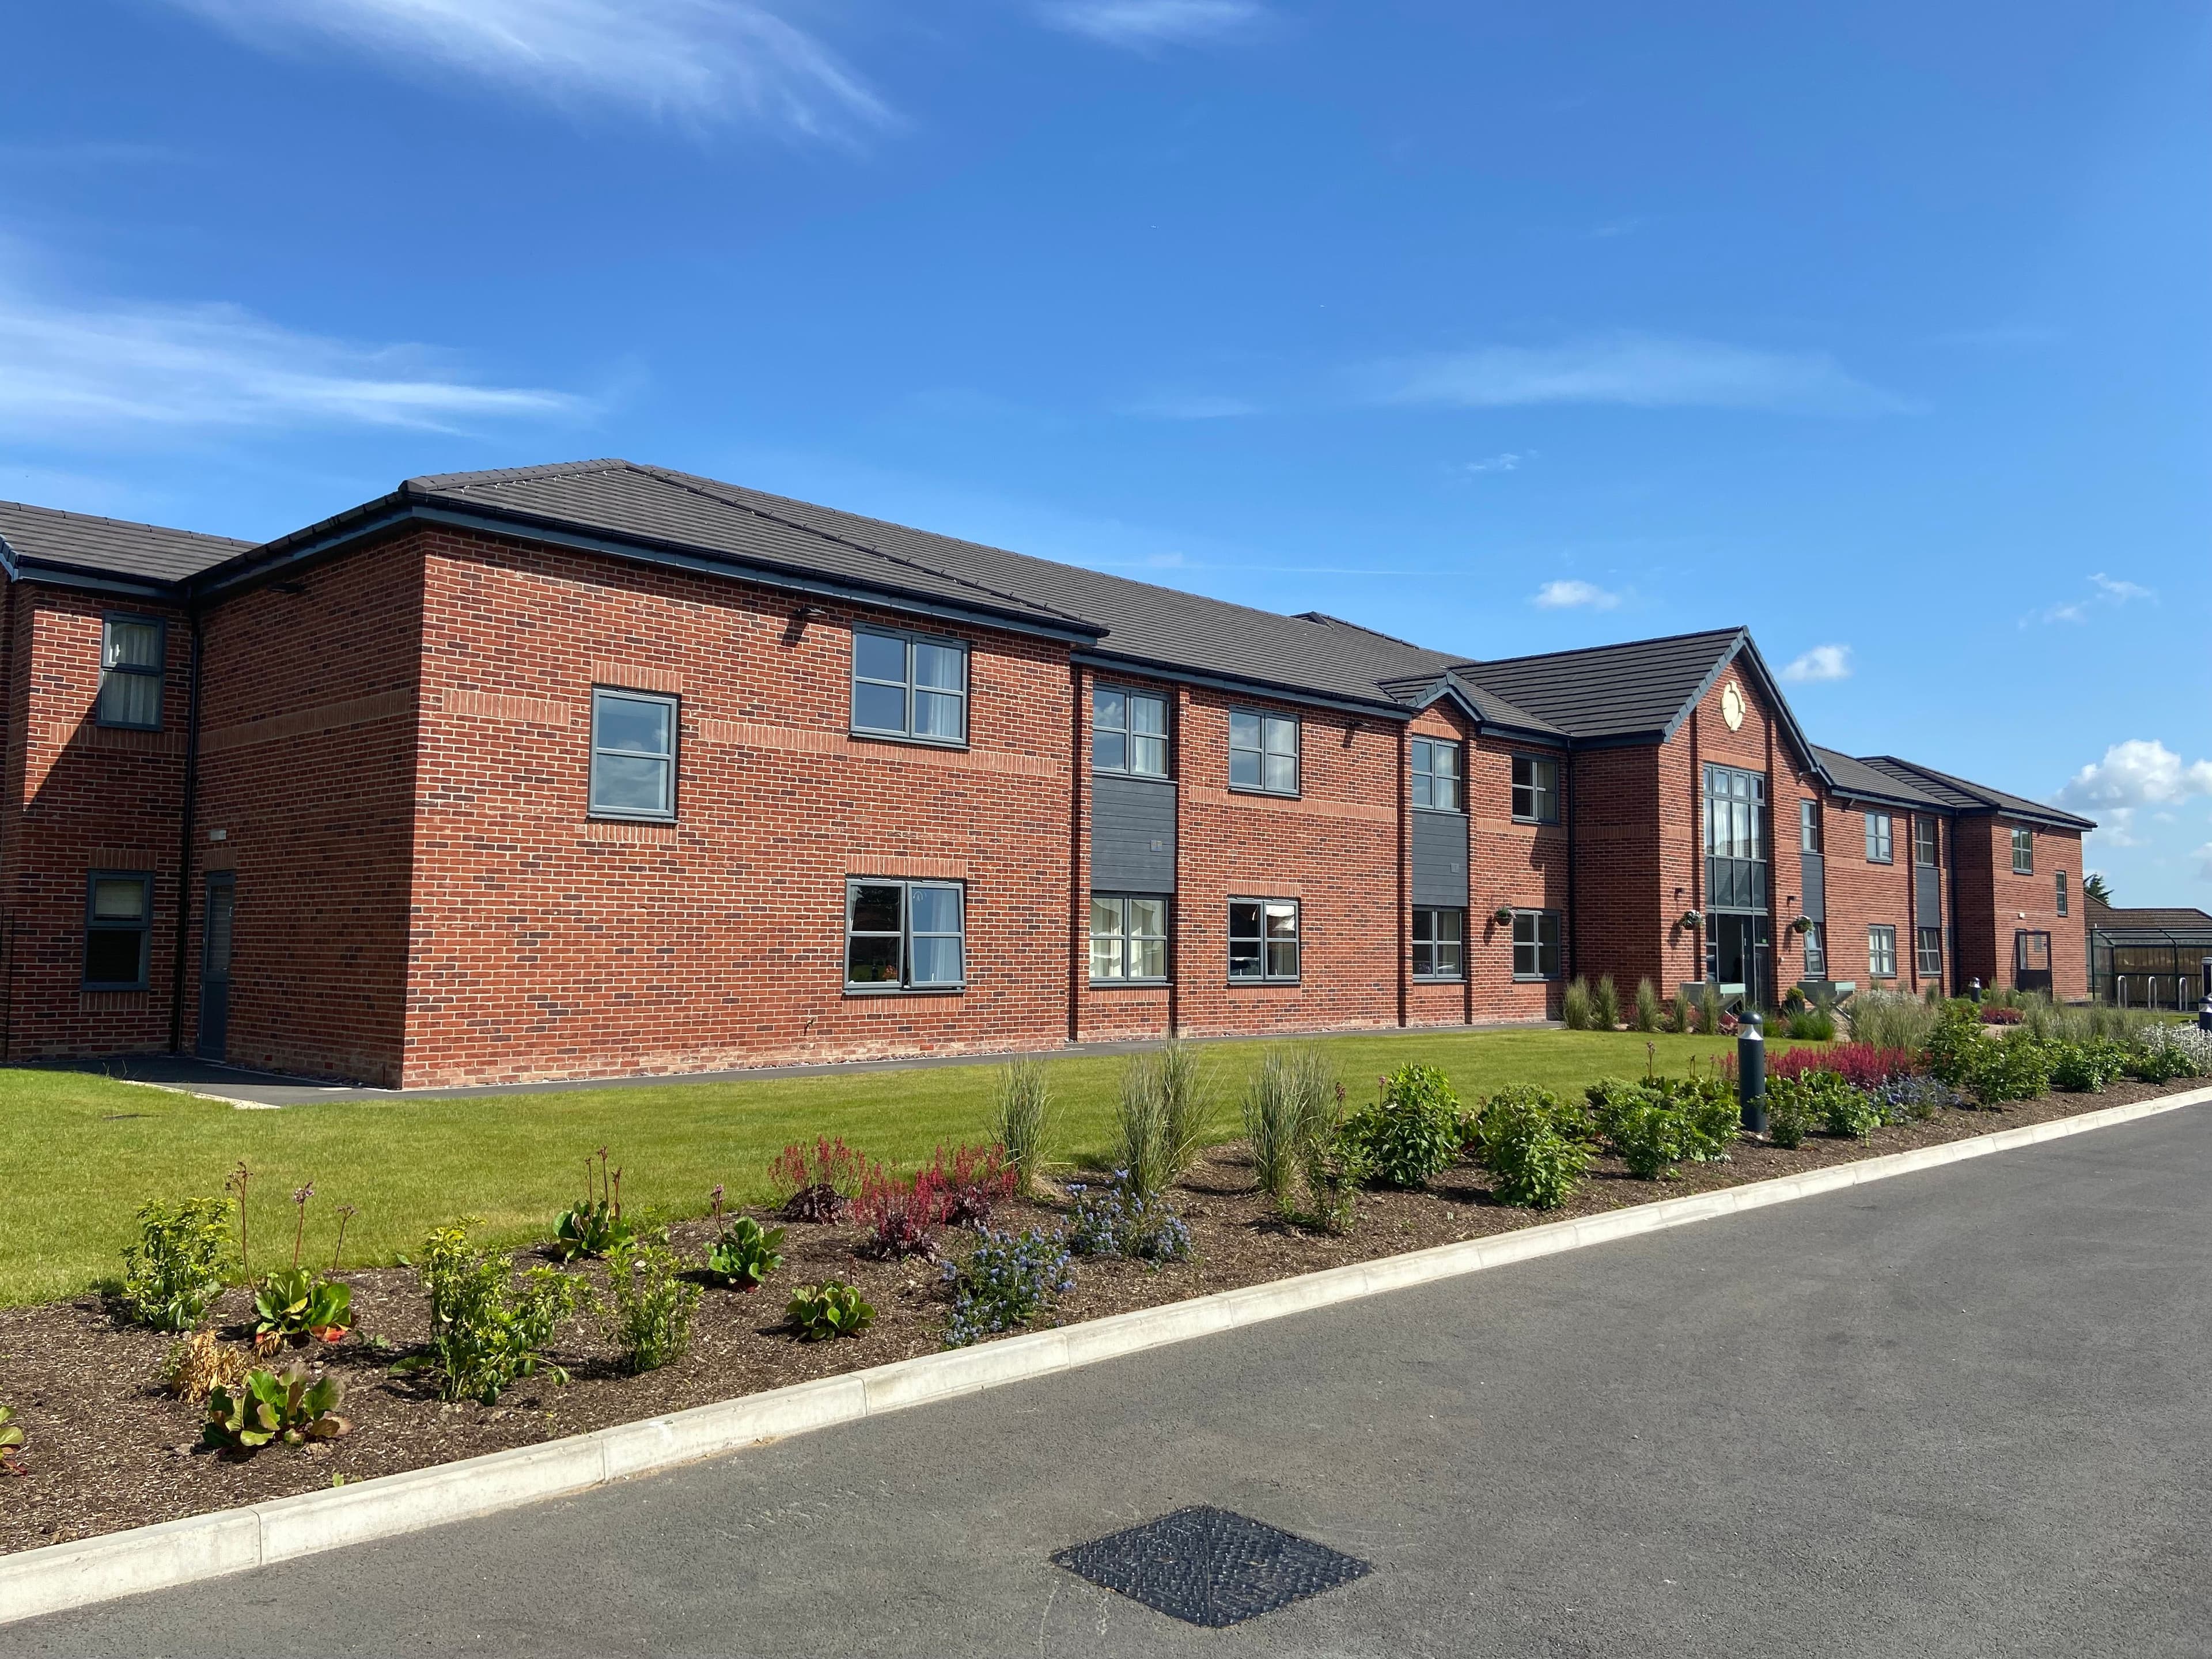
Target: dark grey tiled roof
{"x": 115, "y": 546}
{"x": 1979, "y": 795}
{"x": 1419, "y": 690}
{"x": 1632, "y": 690}
{"x": 2173, "y": 920}
{"x": 1137, "y": 619}
{"x": 1855, "y": 777}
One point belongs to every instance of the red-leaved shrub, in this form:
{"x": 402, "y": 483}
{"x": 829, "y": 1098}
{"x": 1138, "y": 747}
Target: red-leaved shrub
{"x": 828, "y": 1162}
{"x": 903, "y": 1213}
{"x": 1859, "y": 1064}
{"x": 2000, "y": 1015}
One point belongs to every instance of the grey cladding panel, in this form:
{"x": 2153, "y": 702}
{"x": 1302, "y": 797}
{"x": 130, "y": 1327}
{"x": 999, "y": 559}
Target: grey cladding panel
{"x": 1816, "y": 886}
{"x": 1132, "y": 834}
{"x": 1440, "y": 858}
{"x": 1927, "y": 897}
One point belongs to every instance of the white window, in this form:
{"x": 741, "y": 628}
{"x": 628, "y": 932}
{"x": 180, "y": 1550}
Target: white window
{"x": 905, "y": 935}
{"x": 1535, "y": 790}
{"x": 1816, "y": 953}
{"x": 1263, "y": 938}
{"x": 1263, "y": 752}
{"x": 1928, "y": 949}
{"x": 1535, "y": 945}
{"x": 633, "y": 755}
{"x": 1881, "y": 846}
{"x": 2023, "y": 851}
{"x": 1882, "y": 952}
{"x": 1128, "y": 732}
{"x": 1438, "y": 944}
{"x": 905, "y": 685}
{"x": 1128, "y": 936}
{"x": 1435, "y": 775}
{"x": 130, "y": 653}
{"x": 1808, "y": 826}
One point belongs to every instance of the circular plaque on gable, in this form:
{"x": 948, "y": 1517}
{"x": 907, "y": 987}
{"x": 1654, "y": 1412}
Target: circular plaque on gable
{"x": 1732, "y": 706}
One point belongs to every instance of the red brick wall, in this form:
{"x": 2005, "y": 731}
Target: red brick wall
{"x": 545, "y": 945}
{"x": 79, "y": 797}
{"x": 1519, "y": 866}
{"x": 308, "y": 771}
{"x": 1861, "y": 893}
{"x": 1994, "y": 904}
{"x": 1623, "y": 922}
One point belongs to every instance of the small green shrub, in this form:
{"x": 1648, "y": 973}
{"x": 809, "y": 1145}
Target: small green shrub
{"x": 1574, "y": 1005}
{"x": 1809, "y": 1024}
{"x": 1605, "y": 1004}
{"x": 594, "y": 1227}
{"x": 1007, "y": 1282}
{"x": 292, "y": 1407}
{"x": 1021, "y": 1121}
{"x": 2015, "y": 1068}
{"x": 174, "y": 1271}
{"x": 1530, "y": 1143}
{"x": 11, "y": 1441}
{"x": 1289, "y": 1103}
{"x": 1650, "y": 1017}
{"x": 831, "y": 1309}
{"x": 651, "y": 1304}
{"x": 487, "y": 1332}
{"x": 1954, "y": 1044}
{"x": 2163, "y": 1052}
{"x": 1849, "y": 1111}
{"x": 745, "y": 1254}
{"x": 1793, "y": 1107}
{"x": 1413, "y": 1132}
{"x": 1655, "y": 1123}
{"x": 2083, "y": 1069}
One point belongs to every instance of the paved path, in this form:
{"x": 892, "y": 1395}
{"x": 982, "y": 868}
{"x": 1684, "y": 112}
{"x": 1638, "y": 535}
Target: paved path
{"x": 1965, "y": 1412}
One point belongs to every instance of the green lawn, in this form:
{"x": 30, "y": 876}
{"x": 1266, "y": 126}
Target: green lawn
{"x": 87, "y": 1151}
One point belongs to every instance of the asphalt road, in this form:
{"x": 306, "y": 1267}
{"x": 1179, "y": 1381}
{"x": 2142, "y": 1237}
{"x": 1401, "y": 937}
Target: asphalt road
{"x": 1958, "y": 1413}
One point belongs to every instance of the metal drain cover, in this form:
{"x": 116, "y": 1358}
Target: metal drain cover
{"x": 1209, "y": 1566}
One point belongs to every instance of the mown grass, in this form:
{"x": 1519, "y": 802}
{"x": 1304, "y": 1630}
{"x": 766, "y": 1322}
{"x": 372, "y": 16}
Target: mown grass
{"x": 87, "y": 1150}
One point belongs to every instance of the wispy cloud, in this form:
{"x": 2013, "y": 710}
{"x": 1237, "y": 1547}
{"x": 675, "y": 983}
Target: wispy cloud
{"x": 2108, "y": 591}
{"x": 1143, "y": 23}
{"x": 1192, "y": 406}
{"x": 117, "y": 367}
{"x": 1640, "y": 370}
{"x": 1508, "y": 461}
{"x": 704, "y": 61}
{"x": 2140, "y": 773}
{"x": 1822, "y": 662}
{"x": 1569, "y": 593}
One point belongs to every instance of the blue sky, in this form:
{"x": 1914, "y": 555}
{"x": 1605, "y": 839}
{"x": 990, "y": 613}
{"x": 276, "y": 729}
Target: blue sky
{"x": 1505, "y": 327}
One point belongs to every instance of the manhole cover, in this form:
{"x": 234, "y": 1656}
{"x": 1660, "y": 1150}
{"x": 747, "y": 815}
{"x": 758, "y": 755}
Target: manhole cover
{"x": 1209, "y": 1566}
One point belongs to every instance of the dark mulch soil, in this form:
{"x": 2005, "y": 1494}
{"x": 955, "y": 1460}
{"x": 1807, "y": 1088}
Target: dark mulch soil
{"x": 108, "y": 1449}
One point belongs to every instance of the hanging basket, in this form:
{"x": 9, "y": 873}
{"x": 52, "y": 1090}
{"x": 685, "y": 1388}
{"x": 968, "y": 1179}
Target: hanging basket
{"x": 1502, "y": 915}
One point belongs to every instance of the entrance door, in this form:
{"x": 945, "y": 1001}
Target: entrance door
{"x": 215, "y": 963}
{"x": 2031, "y": 961}
{"x": 1737, "y": 947}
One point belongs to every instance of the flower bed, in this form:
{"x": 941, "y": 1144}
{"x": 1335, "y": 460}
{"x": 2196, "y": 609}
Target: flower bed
{"x": 106, "y": 1447}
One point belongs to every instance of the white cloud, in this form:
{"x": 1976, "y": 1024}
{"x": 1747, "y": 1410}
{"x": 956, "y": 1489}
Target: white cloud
{"x": 1141, "y": 23}
{"x": 1193, "y": 406}
{"x": 1643, "y": 371}
{"x": 1508, "y": 462}
{"x": 1567, "y": 594}
{"x": 1822, "y": 662}
{"x": 127, "y": 366}
{"x": 704, "y": 60}
{"x": 2119, "y": 592}
{"x": 2135, "y": 775}
{"x": 2110, "y": 591}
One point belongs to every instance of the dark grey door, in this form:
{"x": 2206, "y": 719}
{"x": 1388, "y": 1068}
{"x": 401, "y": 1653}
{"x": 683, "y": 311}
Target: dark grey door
{"x": 1739, "y": 944}
{"x": 216, "y": 934}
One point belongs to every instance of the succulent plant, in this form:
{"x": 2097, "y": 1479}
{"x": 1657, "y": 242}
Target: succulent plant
{"x": 291, "y": 1406}
{"x": 11, "y": 1442}
{"x": 594, "y": 1227}
{"x": 296, "y": 1305}
{"x": 830, "y": 1309}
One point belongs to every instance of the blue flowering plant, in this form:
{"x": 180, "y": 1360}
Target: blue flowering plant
{"x": 1116, "y": 1220}
{"x": 1007, "y": 1282}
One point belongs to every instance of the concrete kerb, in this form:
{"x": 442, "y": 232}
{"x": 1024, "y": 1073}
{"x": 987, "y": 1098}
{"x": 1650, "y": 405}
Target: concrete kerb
{"x": 65, "y": 1575}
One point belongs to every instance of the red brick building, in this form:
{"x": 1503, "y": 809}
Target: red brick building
{"x": 598, "y": 768}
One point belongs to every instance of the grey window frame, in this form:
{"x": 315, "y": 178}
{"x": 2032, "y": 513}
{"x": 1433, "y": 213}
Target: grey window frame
{"x": 1885, "y": 838}
{"x": 143, "y": 927}
{"x": 2061, "y": 894}
{"x": 906, "y": 984}
{"x": 1434, "y": 975}
{"x": 1267, "y": 943}
{"x": 1808, "y": 826}
{"x": 1927, "y": 959}
{"x": 909, "y": 638}
{"x": 1296, "y": 751}
{"x": 1927, "y": 837}
{"x": 1884, "y": 935}
{"x": 1129, "y": 937}
{"x": 1165, "y": 736}
{"x": 1428, "y": 775}
{"x": 159, "y": 673}
{"x": 2023, "y": 847}
{"x": 1539, "y": 794}
{"x": 1816, "y": 951}
{"x": 629, "y": 814}
{"x": 1555, "y": 945}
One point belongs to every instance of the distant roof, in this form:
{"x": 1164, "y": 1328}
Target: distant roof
{"x": 2179, "y": 919}
{"x": 78, "y": 541}
{"x": 1885, "y": 777}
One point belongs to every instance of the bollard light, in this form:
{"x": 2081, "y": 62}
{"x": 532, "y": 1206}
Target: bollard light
{"x": 1750, "y": 1073}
